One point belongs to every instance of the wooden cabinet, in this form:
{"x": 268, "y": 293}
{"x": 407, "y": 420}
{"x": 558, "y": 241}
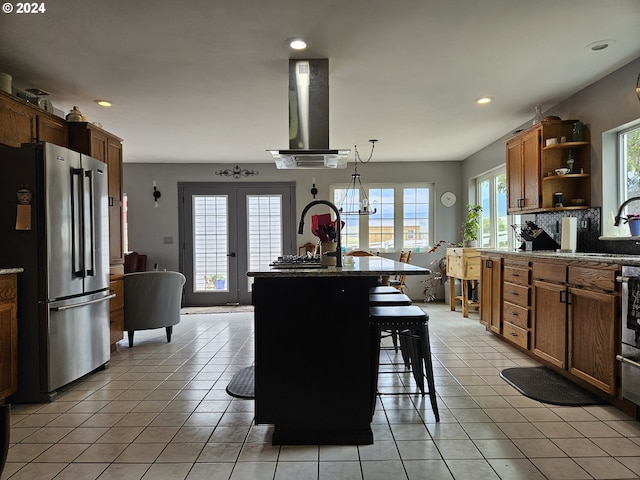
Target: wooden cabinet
{"x": 116, "y": 326}
{"x": 549, "y": 332}
{"x": 531, "y": 177}
{"x": 593, "y": 309}
{"x": 523, "y": 171}
{"x": 8, "y": 335}
{"x": 516, "y": 304}
{"x": 491, "y": 292}
{"x": 21, "y": 122}
{"x": 91, "y": 140}
{"x": 17, "y": 121}
{"x": 52, "y": 129}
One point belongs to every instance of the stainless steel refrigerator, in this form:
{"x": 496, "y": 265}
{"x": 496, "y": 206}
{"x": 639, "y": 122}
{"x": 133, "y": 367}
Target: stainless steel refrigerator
{"x": 54, "y": 224}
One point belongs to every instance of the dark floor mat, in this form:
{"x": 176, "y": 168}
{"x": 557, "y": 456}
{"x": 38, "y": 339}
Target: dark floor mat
{"x": 547, "y": 386}
{"x": 243, "y": 383}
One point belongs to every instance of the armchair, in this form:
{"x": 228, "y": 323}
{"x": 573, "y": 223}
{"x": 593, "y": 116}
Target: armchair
{"x": 152, "y": 300}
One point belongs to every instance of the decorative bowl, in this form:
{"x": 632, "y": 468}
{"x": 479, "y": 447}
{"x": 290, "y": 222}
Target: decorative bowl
{"x": 562, "y": 171}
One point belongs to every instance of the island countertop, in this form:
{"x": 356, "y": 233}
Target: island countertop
{"x": 9, "y": 271}
{"x": 361, "y": 267}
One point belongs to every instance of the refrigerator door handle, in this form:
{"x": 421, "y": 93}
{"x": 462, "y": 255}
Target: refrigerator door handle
{"x": 77, "y": 248}
{"x": 76, "y": 305}
{"x": 90, "y": 227}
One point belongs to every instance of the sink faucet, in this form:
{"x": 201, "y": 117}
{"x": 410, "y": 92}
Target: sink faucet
{"x": 338, "y": 226}
{"x": 625, "y": 203}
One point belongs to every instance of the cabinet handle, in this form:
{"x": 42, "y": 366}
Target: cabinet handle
{"x": 513, "y": 334}
{"x": 515, "y": 274}
{"x": 515, "y": 294}
{"x": 514, "y": 314}
{"x": 564, "y": 297}
{"x": 488, "y": 263}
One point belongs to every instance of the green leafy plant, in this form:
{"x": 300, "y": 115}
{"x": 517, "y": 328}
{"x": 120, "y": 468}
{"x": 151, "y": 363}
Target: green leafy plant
{"x": 471, "y": 224}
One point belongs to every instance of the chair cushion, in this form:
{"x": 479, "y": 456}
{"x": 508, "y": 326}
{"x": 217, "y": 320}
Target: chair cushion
{"x": 384, "y": 299}
{"x": 384, "y": 290}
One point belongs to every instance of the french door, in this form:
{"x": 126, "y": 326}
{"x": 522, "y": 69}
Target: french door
{"x": 227, "y": 230}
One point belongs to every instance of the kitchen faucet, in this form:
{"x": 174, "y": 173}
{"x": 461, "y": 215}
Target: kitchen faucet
{"x": 338, "y": 226}
{"x": 619, "y": 215}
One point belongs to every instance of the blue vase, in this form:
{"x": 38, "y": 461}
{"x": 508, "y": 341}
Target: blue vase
{"x": 634, "y": 228}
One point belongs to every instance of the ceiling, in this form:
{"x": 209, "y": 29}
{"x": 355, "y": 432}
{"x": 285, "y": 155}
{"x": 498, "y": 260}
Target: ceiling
{"x": 206, "y": 81}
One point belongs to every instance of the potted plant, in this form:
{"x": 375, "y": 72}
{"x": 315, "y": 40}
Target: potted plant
{"x": 471, "y": 225}
{"x": 633, "y": 219}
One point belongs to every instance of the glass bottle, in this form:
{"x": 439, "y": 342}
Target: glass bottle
{"x": 537, "y": 118}
{"x": 578, "y": 132}
{"x": 570, "y": 162}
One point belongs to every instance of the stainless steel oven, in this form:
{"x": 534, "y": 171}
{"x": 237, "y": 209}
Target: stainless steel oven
{"x": 630, "y": 352}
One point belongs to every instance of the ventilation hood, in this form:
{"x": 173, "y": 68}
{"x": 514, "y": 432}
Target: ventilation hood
{"x": 309, "y": 119}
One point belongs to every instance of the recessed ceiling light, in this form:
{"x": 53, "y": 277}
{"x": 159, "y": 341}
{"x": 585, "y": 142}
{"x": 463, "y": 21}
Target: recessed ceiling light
{"x": 599, "y": 45}
{"x": 483, "y": 100}
{"x": 104, "y": 103}
{"x": 297, "y": 43}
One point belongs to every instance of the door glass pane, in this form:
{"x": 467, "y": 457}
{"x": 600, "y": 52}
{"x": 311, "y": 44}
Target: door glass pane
{"x": 210, "y": 243}
{"x": 264, "y": 230}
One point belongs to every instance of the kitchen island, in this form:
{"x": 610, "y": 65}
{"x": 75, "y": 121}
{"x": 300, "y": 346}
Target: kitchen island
{"x": 313, "y": 350}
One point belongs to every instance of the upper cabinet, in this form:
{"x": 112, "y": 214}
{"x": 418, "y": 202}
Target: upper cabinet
{"x": 91, "y": 140}
{"x": 534, "y": 157}
{"x": 25, "y": 123}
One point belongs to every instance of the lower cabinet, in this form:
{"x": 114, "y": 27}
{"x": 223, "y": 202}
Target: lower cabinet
{"x": 8, "y": 335}
{"x": 550, "y": 313}
{"x": 566, "y": 314}
{"x": 593, "y": 328}
{"x": 116, "y": 326}
{"x": 491, "y": 293}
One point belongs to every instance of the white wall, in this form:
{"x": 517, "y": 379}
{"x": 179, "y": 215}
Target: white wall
{"x": 149, "y": 226}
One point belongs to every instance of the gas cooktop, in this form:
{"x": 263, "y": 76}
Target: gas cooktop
{"x": 297, "y": 261}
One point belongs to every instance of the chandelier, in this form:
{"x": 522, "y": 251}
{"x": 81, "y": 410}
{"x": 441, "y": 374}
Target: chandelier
{"x": 355, "y": 200}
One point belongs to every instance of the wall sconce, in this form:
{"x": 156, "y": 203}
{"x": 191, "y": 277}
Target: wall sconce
{"x": 314, "y": 190}
{"x": 156, "y": 194}
{"x": 638, "y": 87}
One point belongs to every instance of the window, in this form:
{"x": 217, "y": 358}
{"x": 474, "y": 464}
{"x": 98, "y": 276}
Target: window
{"x": 403, "y": 218}
{"x": 629, "y": 153}
{"x": 492, "y": 196}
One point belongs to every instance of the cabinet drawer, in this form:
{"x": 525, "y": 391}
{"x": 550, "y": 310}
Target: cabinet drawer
{"x": 515, "y": 334}
{"x": 516, "y": 315}
{"x": 603, "y": 277}
{"x": 516, "y": 294}
{"x": 549, "y": 272}
{"x": 516, "y": 275}
{"x": 117, "y": 288}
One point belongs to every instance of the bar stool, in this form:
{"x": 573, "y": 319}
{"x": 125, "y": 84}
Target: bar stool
{"x": 395, "y": 300}
{"x": 413, "y": 323}
{"x": 384, "y": 290}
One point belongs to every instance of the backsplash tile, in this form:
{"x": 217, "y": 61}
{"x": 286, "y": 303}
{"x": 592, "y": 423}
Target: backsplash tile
{"x": 551, "y": 222}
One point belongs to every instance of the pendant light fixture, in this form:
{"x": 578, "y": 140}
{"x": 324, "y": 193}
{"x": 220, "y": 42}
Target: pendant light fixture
{"x": 355, "y": 200}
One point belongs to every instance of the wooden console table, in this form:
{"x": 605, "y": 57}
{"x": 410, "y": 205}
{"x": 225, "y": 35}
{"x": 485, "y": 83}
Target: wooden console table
{"x": 464, "y": 264}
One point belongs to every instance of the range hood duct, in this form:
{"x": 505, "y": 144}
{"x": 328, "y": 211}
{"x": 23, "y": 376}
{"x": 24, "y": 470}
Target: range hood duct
{"x": 309, "y": 119}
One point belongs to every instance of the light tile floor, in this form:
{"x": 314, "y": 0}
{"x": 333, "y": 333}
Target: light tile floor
{"x": 161, "y": 412}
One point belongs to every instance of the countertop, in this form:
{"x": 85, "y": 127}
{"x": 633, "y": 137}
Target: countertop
{"x": 362, "y": 267}
{"x": 610, "y": 258}
{"x": 8, "y": 271}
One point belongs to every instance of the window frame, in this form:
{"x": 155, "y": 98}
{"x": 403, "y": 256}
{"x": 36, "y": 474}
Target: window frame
{"x": 623, "y": 190}
{"x": 398, "y": 213}
{"x": 491, "y": 176}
